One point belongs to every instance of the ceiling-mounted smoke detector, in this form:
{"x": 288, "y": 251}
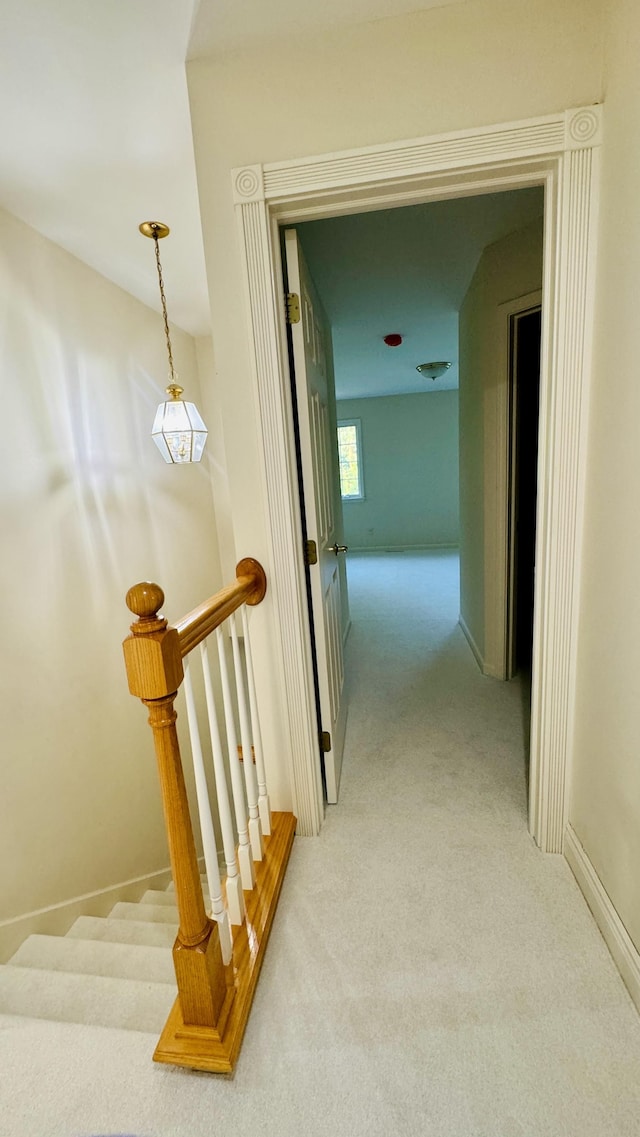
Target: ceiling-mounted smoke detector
{"x": 433, "y": 370}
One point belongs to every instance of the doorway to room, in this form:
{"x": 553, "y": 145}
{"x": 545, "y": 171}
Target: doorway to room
{"x": 558, "y": 152}
{"x": 524, "y": 376}
{"x": 385, "y": 454}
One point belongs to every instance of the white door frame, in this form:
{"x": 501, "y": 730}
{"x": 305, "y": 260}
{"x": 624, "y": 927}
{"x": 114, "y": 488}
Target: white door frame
{"x": 560, "y": 152}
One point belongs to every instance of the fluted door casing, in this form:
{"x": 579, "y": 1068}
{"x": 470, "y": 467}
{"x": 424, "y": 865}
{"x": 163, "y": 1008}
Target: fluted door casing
{"x": 561, "y": 152}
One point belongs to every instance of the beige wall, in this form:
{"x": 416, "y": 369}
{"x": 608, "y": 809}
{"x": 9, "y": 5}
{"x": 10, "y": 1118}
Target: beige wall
{"x": 605, "y": 798}
{"x": 87, "y": 509}
{"x": 510, "y": 268}
{"x": 441, "y": 69}
{"x": 461, "y": 66}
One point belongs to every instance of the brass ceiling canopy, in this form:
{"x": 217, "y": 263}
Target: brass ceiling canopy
{"x": 154, "y": 229}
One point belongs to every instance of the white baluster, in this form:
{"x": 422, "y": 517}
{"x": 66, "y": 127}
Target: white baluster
{"x": 245, "y": 859}
{"x": 264, "y": 807}
{"x": 235, "y": 898}
{"x": 218, "y": 911}
{"x": 251, "y": 784}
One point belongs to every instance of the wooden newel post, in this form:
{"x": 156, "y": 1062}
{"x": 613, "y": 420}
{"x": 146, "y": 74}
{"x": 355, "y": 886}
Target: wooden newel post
{"x": 154, "y": 671}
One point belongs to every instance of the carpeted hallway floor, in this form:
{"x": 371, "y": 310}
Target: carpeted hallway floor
{"x": 429, "y": 973}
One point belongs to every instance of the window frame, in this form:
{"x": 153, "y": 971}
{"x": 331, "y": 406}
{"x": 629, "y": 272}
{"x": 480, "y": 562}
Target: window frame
{"x": 357, "y": 423}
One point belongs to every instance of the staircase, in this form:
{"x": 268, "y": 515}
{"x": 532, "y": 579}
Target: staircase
{"x": 115, "y": 971}
{"x": 183, "y": 964}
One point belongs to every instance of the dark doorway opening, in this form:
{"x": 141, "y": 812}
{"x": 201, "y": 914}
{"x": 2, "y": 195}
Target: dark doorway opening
{"x": 525, "y": 402}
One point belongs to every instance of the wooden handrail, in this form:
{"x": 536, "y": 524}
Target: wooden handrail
{"x": 249, "y": 587}
{"x": 153, "y": 656}
{"x": 206, "y": 1024}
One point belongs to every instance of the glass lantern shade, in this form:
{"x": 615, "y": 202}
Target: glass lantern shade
{"x": 179, "y": 432}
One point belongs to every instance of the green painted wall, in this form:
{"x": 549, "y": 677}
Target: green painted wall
{"x": 410, "y": 460}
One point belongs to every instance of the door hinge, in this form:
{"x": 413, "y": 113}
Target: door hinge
{"x": 293, "y": 307}
{"x": 325, "y": 741}
{"x": 310, "y": 553}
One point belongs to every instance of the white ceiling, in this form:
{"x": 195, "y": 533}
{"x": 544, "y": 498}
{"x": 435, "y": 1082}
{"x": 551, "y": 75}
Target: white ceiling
{"x": 407, "y": 271}
{"x": 96, "y": 134}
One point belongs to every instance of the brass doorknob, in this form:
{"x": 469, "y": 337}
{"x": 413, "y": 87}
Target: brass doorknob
{"x": 339, "y": 549}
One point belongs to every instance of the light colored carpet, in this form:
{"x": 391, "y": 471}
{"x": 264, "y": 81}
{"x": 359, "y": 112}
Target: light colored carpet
{"x": 429, "y": 972}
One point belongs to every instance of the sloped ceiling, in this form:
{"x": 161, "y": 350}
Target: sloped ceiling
{"x": 96, "y": 138}
{"x": 96, "y": 133}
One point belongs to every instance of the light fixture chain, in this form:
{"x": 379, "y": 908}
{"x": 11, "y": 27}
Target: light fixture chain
{"x": 172, "y": 373}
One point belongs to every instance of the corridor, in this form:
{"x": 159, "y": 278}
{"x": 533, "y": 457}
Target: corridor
{"x": 434, "y": 972}
{"x": 430, "y": 973}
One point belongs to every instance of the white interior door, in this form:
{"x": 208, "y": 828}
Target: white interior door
{"x": 312, "y": 359}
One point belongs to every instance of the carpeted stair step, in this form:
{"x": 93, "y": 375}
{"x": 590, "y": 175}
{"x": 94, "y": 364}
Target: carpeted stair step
{"x": 94, "y": 1000}
{"x": 123, "y": 931}
{"x": 167, "y": 899}
{"x": 203, "y": 881}
{"x": 96, "y": 957}
{"x": 153, "y": 913}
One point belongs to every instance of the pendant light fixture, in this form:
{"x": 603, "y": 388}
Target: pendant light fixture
{"x": 178, "y": 430}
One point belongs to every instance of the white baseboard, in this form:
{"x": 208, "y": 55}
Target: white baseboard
{"x": 472, "y": 643}
{"x": 397, "y": 548}
{"x": 485, "y": 667}
{"x": 58, "y": 918}
{"x": 625, "y": 955}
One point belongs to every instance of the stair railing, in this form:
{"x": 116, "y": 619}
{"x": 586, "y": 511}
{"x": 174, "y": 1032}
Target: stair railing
{"x": 217, "y": 957}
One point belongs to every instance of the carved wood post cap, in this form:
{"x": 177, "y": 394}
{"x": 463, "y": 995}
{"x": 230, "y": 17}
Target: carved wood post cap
{"x": 152, "y": 653}
{"x": 145, "y": 601}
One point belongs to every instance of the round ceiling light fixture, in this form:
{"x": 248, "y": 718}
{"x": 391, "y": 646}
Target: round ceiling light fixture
{"x": 433, "y": 370}
{"x": 394, "y": 339}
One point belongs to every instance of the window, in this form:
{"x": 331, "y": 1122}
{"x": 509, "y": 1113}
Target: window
{"x": 350, "y": 455}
